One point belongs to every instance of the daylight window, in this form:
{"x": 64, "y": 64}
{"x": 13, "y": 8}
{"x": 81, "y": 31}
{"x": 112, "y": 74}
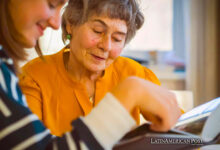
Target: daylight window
{"x": 156, "y": 33}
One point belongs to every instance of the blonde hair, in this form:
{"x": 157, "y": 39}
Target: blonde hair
{"x": 8, "y": 34}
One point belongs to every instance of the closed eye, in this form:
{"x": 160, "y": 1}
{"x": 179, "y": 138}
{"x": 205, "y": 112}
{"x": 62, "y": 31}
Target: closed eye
{"x": 55, "y": 3}
{"x": 117, "y": 40}
{"x": 98, "y": 32}
{"x": 51, "y": 5}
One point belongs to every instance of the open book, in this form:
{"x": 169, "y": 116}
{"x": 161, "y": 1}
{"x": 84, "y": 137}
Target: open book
{"x": 194, "y": 120}
{"x": 206, "y": 117}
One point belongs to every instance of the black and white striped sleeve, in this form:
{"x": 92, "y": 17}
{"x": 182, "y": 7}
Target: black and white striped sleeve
{"x": 99, "y": 130}
{"x": 20, "y": 129}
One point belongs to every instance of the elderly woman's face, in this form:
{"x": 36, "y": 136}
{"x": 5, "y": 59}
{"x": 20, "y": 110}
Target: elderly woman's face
{"x": 31, "y": 17}
{"x": 98, "y": 42}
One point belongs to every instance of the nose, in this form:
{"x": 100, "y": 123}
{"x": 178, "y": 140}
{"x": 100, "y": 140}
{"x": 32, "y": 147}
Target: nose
{"x": 55, "y": 20}
{"x": 105, "y": 43}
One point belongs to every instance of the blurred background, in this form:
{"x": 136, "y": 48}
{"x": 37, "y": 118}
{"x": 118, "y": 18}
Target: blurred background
{"x": 179, "y": 42}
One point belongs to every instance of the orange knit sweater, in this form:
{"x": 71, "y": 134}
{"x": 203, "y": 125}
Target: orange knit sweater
{"x": 58, "y": 100}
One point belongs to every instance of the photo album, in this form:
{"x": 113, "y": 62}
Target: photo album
{"x": 195, "y": 128}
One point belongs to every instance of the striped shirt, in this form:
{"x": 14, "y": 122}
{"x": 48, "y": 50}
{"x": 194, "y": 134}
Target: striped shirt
{"x": 21, "y": 129}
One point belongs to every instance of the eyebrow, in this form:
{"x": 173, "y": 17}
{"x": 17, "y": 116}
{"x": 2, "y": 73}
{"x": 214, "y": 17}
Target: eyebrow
{"x": 104, "y": 24}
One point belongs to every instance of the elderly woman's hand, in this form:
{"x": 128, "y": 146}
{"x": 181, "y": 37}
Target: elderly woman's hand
{"x": 157, "y": 104}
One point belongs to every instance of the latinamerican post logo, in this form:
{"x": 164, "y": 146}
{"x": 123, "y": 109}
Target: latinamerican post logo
{"x": 188, "y": 141}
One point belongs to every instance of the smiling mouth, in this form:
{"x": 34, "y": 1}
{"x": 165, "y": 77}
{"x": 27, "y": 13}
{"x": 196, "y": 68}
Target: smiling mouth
{"x": 98, "y": 57}
{"x": 40, "y": 29}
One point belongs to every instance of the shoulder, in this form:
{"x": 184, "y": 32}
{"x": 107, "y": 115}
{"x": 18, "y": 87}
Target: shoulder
{"x": 125, "y": 67}
{"x": 42, "y": 68}
{"x": 128, "y": 65}
{"x": 46, "y": 63}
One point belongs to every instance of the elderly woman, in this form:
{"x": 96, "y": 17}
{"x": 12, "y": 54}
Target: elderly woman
{"x": 66, "y": 85}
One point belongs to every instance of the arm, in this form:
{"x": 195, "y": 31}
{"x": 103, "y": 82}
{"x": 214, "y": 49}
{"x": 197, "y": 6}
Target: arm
{"x": 156, "y": 103}
{"x": 149, "y": 75}
{"x": 20, "y": 129}
{"x": 33, "y": 135}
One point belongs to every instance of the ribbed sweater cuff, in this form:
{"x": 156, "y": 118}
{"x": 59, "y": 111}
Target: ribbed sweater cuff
{"x": 109, "y": 121}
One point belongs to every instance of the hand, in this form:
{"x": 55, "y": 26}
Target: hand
{"x": 157, "y": 104}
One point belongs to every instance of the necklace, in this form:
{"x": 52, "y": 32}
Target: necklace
{"x": 91, "y": 99}
{"x": 66, "y": 59}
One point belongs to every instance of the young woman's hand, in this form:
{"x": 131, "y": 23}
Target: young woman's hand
{"x": 157, "y": 104}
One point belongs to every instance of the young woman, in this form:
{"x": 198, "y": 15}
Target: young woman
{"x": 21, "y": 24}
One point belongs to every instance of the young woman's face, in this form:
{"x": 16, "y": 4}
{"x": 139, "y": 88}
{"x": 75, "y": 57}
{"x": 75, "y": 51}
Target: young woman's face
{"x": 31, "y": 17}
{"x": 98, "y": 42}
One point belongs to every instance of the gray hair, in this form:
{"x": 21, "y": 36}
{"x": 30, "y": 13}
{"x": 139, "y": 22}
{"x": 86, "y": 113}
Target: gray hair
{"x": 77, "y": 12}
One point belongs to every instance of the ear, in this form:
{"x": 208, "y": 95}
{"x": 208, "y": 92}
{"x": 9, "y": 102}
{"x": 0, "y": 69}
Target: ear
{"x": 68, "y": 28}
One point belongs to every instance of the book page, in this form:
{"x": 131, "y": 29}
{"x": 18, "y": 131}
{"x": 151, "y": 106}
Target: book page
{"x": 212, "y": 126}
{"x": 194, "y": 120}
